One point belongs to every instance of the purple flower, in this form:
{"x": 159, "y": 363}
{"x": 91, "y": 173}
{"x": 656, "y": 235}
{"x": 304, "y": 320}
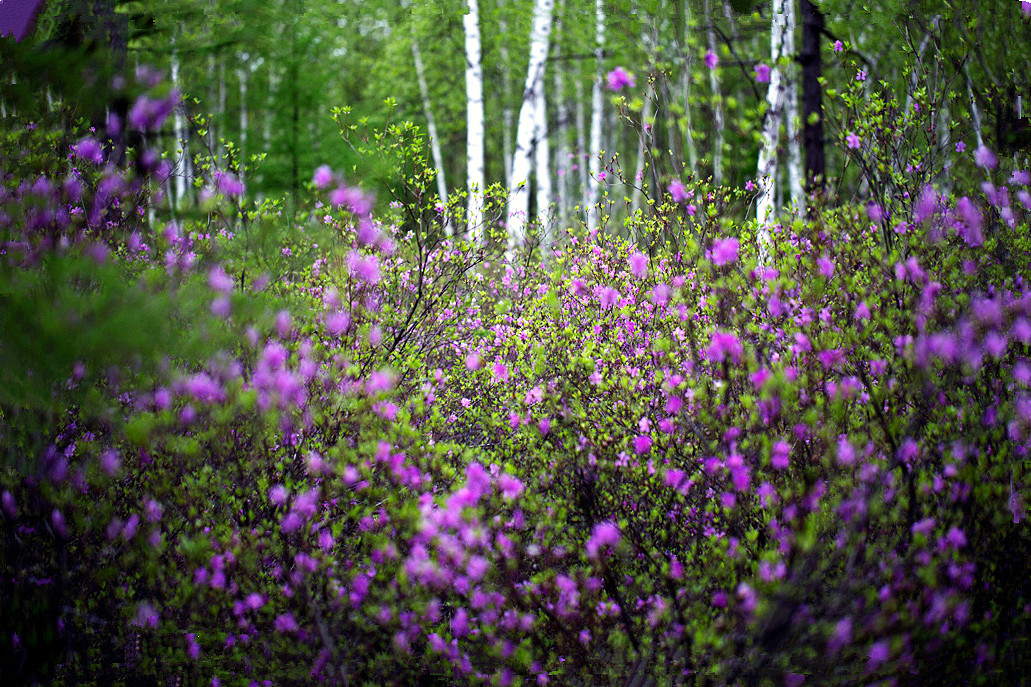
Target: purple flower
{"x": 604, "y": 534}
{"x": 364, "y": 268}
{"x": 861, "y": 75}
{"x": 826, "y": 266}
{"x": 1020, "y": 177}
{"x": 639, "y": 265}
{"x": 642, "y": 444}
{"x": 228, "y": 184}
{"x": 510, "y": 486}
{"x": 219, "y": 281}
{"x": 846, "y": 452}
{"x": 852, "y": 140}
{"x": 89, "y": 150}
{"x": 323, "y": 177}
{"x": 678, "y": 192}
{"x": 618, "y": 79}
{"x": 960, "y": 146}
{"x": 838, "y": 46}
{"x": 841, "y": 636}
{"x": 780, "y": 455}
{"x": 722, "y": 346}
{"x": 285, "y": 623}
{"x": 762, "y": 72}
{"x": 925, "y": 205}
{"x": 711, "y": 60}
{"x": 879, "y": 653}
{"x": 724, "y": 251}
{"x": 984, "y": 157}
{"x": 608, "y": 297}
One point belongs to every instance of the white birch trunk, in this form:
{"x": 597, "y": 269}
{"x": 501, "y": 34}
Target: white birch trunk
{"x": 792, "y": 128}
{"x": 643, "y": 144}
{"x": 178, "y": 129}
{"x": 581, "y": 142}
{"x": 431, "y": 121}
{"x": 519, "y": 191}
{"x": 506, "y": 111}
{"x": 597, "y": 106}
{"x": 242, "y": 162}
{"x": 685, "y": 76}
{"x": 562, "y": 150}
{"x": 767, "y": 167}
{"x": 717, "y": 98}
{"x": 474, "y": 121}
{"x": 542, "y": 169}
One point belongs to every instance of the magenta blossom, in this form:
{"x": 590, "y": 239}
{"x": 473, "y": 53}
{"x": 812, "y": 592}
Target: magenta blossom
{"x": 604, "y": 534}
{"x": 618, "y": 79}
{"x": 711, "y": 60}
{"x": 724, "y": 251}
{"x": 678, "y": 192}
{"x": 762, "y": 72}
{"x": 639, "y": 264}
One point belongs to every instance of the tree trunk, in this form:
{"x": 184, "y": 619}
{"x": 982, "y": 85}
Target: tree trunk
{"x": 542, "y": 170}
{"x": 562, "y": 154}
{"x": 533, "y": 91}
{"x": 582, "y": 156}
{"x": 717, "y": 102}
{"x": 506, "y": 110}
{"x": 179, "y": 133}
{"x": 242, "y": 162}
{"x": 812, "y": 98}
{"x": 474, "y": 120}
{"x": 431, "y": 122}
{"x": 597, "y": 103}
{"x": 766, "y": 171}
{"x": 685, "y": 85}
{"x": 791, "y": 114}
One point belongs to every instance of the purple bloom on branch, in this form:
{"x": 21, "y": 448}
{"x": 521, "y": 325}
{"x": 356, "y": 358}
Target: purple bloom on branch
{"x": 618, "y": 79}
{"x": 985, "y": 158}
{"x": 678, "y": 192}
{"x": 762, "y": 72}
{"x": 724, "y": 251}
{"x": 604, "y": 534}
{"x": 711, "y": 60}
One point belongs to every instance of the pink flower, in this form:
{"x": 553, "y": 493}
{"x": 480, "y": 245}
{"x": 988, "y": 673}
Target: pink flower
{"x": 724, "y": 251}
{"x": 838, "y": 46}
{"x": 323, "y": 177}
{"x": 711, "y": 60}
{"x": 852, "y": 140}
{"x": 639, "y": 265}
{"x": 960, "y": 146}
{"x": 762, "y": 72}
{"x": 984, "y": 157}
{"x": 604, "y": 534}
{"x": 642, "y": 444}
{"x": 722, "y": 346}
{"x": 618, "y": 79}
{"x": 678, "y": 192}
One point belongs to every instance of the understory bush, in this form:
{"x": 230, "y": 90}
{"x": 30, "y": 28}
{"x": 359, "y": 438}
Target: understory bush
{"x": 364, "y": 451}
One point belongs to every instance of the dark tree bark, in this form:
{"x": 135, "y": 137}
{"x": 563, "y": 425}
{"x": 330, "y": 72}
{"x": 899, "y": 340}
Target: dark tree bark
{"x": 812, "y": 98}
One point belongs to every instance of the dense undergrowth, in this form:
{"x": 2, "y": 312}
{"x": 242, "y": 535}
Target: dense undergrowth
{"x": 361, "y": 452}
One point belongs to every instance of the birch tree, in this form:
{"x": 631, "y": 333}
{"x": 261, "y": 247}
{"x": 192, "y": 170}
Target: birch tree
{"x": 431, "y": 121}
{"x": 767, "y": 167}
{"x": 597, "y": 103}
{"x": 533, "y": 91}
{"x": 717, "y": 100}
{"x": 474, "y": 120}
{"x": 791, "y": 112}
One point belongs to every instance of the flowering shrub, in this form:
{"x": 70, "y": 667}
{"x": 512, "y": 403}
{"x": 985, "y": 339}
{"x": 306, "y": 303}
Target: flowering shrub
{"x": 402, "y": 460}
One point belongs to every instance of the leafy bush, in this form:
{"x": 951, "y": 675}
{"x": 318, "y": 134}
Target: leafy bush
{"x": 409, "y": 461}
